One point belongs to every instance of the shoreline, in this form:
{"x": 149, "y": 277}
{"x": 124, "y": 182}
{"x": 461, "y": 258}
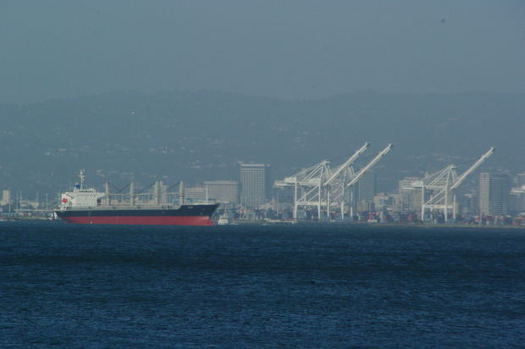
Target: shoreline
{"x": 290, "y": 223}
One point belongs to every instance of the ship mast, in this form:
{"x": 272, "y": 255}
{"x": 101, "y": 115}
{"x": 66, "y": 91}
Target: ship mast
{"x": 82, "y": 176}
{"x": 181, "y": 193}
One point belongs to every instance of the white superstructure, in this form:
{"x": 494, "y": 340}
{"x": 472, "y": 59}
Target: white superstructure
{"x": 80, "y": 197}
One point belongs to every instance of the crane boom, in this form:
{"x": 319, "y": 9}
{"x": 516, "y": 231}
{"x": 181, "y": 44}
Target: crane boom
{"x": 472, "y": 168}
{"x": 368, "y": 166}
{"x": 347, "y": 163}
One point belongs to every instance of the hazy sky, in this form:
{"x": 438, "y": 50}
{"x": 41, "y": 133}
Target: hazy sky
{"x": 283, "y": 48}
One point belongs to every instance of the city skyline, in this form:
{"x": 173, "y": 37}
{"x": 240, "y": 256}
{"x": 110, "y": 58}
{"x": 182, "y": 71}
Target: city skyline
{"x": 498, "y": 196}
{"x": 432, "y": 79}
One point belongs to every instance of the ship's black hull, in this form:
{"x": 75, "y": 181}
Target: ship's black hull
{"x": 184, "y": 215}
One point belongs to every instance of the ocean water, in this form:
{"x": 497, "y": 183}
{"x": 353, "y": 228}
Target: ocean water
{"x": 69, "y": 286}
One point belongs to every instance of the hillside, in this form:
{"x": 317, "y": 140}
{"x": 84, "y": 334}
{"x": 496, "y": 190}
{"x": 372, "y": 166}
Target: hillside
{"x": 203, "y": 135}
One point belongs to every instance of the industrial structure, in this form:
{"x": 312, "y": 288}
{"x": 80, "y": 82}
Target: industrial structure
{"x": 156, "y": 194}
{"x": 88, "y": 206}
{"x": 328, "y": 189}
{"x": 322, "y": 192}
{"x": 438, "y": 189}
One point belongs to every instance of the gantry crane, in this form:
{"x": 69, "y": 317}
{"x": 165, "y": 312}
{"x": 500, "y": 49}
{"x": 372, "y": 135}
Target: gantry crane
{"x": 335, "y": 184}
{"x": 366, "y": 168}
{"x": 442, "y": 186}
{"x": 321, "y": 187}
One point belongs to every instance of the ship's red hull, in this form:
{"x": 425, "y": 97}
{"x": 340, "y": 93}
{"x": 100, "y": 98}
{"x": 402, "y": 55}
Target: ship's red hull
{"x": 141, "y": 220}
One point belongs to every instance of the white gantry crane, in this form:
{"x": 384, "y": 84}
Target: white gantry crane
{"x": 322, "y": 187}
{"x": 438, "y": 190}
{"x": 366, "y": 168}
{"x": 335, "y": 184}
{"x": 307, "y": 185}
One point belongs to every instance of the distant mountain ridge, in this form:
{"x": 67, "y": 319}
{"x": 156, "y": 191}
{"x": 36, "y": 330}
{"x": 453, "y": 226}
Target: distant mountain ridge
{"x": 196, "y": 136}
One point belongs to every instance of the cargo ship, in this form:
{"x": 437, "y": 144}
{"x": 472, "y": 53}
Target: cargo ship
{"x": 88, "y": 206}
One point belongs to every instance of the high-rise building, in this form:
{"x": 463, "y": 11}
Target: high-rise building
{"x": 517, "y": 201}
{"x": 254, "y": 184}
{"x": 6, "y": 197}
{"x": 494, "y": 191}
{"x": 223, "y": 191}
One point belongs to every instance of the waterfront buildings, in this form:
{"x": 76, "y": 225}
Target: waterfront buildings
{"x": 195, "y": 194}
{"x": 494, "y": 191}
{"x": 517, "y": 201}
{"x": 223, "y": 191}
{"x": 409, "y": 199}
{"x": 6, "y": 197}
{"x": 255, "y": 181}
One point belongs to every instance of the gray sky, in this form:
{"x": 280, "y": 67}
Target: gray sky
{"x": 282, "y": 48}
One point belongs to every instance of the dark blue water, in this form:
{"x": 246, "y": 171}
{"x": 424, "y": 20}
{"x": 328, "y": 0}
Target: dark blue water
{"x": 68, "y": 286}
